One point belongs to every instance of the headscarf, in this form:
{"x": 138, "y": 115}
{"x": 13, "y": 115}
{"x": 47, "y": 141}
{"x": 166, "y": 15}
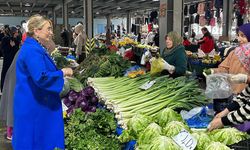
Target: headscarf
{"x": 177, "y": 41}
{"x": 80, "y": 38}
{"x": 245, "y": 28}
{"x": 243, "y": 53}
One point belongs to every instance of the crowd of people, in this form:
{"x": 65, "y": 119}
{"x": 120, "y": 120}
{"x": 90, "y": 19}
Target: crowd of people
{"x": 31, "y": 82}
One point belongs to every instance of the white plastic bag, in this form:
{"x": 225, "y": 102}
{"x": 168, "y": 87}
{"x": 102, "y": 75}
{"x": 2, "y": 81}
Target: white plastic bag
{"x": 218, "y": 86}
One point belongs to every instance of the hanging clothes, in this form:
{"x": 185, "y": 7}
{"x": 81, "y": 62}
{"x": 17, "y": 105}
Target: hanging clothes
{"x": 201, "y": 8}
{"x": 185, "y": 10}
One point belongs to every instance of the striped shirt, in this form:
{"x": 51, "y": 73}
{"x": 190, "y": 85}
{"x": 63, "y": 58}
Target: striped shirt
{"x": 239, "y": 109}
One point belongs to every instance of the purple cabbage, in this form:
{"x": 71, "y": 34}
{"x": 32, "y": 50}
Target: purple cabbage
{"x": 84, "y": 105}
{"x": 92, "y": 109}
{"x": 73, "y": 96}
{"x": 89, "y": 91}
{"x": 66, "y": 101}
{"x": 94, "y": 100}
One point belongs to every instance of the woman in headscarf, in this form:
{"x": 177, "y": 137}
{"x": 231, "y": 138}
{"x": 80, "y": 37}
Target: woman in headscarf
{"x": 174, "y": 55}
{"x": 79, "y": 41}
{"x": 238, "y": 64}
{"x": 232, "y": 63}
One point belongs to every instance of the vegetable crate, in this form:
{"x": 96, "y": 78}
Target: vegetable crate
{"x": 196, "y": 65}
{"x": 242, "y": 145}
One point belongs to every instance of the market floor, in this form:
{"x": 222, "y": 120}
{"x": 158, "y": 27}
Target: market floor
{"x": 4, "y": 143}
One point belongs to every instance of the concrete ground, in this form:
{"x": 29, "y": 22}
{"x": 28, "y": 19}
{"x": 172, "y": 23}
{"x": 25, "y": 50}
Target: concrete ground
{"x": 4, "y": 143}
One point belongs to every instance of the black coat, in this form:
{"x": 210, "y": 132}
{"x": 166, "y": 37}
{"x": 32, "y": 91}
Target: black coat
{"x": 9, "y": 53}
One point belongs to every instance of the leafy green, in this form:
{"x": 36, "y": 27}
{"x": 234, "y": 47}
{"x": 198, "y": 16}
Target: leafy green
{"x": 167, "y": 115}
{"x": 93, "y": 131}
{"x": 137, "y": 124}
{"x": 217, "y": 146}
{"x": 228, "y": 136}
{"x": 152, "y": 131}
{"x": 173, "y": 128}
{"x": 203, "y": 140}
{"x": 163, "y": 143}
{"x": 75, "y": 84}
{"x": 60, "y": 60}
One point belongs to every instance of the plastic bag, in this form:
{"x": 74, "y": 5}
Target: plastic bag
{"x": 218, "y": 86}
{"x": 157, "y": 65}
{"x": 197, "y": 117}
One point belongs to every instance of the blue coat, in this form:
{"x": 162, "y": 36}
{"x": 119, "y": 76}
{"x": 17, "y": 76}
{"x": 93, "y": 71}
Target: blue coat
{"x": 38, "y": 120}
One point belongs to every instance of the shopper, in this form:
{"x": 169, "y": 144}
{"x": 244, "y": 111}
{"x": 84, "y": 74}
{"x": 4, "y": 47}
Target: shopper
{"x": 80, "y": 40}
{"x": 174, "y": 55}
{"x": 38, "y": 121}
{"x": 10, "y": 45}
{"x": 236, "y": 113}
{"x": 65, "y": 37}
{"x": 6, "y": 103}
{"x": 207, "y": 41}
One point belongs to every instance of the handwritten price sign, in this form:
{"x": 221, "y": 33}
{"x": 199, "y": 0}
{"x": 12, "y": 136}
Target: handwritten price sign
{"x": 185, "y": 140}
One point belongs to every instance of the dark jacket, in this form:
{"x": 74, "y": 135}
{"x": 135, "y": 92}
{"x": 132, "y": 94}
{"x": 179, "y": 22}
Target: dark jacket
{"x": 177, "y": 57}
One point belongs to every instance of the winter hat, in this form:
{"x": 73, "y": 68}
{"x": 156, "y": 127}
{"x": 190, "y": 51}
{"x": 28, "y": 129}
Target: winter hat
{"x": 245, "y": 28}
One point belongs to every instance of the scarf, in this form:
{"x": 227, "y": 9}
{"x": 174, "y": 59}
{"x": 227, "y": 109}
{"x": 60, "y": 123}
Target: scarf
{"x": 243, "y": 53}
{"x": 177, "y": 41}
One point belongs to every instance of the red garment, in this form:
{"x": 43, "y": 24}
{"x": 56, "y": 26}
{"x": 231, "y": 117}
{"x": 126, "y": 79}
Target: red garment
{"x": 208, "y": 45}
{"x": 186, "y": 42}
{"x": 24, "y": 36}
{"x": 150, "y": 27}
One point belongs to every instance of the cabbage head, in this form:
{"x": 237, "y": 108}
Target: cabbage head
{"x": 217, "y": 146}
{"x": 167, "y": 115}
{"x": 125, "y": 136}
{"x": 203, "y": 140}
{"x": 153, "y": 130}
{"x": 228, "y": 136}
{"x": 137, "y": 124}
{"x": 163, "y": 143}
{"x": 173, "y": 128}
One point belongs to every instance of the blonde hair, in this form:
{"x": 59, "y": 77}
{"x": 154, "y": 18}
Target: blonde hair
{"x": 36, "y": 22}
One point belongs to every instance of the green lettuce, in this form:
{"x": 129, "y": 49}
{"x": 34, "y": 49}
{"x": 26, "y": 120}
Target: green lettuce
{"x": 203, "y": 140}
{"x": 228, "y": 136}
{"x": 167, "y": 115}
{"x": 173, "y": 128}
{"x": 137, "y": 124}
{"x": 163, "y": 143}
{"x": 217, "y": 146}
{"x": 152, "y": 131}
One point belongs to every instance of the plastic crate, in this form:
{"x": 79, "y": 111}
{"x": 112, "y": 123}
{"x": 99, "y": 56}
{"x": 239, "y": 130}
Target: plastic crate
{"x": 242, "y": 145}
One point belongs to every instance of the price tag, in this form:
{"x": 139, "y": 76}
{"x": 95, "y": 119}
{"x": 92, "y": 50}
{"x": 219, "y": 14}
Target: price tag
{"x": 185, "y": 140}
{"x": 64, "y": 107}
{"x": 147, "y": 85}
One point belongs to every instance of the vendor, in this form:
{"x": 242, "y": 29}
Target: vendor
{"x": 232, "y": 63}
{"x": 174, "y": 55}
{"x": 207, "y": 41}
{"x": 236, "y": 113}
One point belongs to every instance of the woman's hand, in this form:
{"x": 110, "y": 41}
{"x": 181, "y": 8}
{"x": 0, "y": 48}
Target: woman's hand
{"x": 215, "y": 124}
{"x": 67, "y": 72}
{"x": 222, "y": 114}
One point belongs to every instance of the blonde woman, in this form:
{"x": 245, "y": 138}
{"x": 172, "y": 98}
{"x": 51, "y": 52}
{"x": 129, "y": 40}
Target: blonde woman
{"x": 38, "y": 121}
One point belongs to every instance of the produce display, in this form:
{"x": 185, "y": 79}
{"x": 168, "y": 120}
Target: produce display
{"x": 91, "y": 131}
{"x": 150, "y": 135}
{"x": 101, "y": 65}
{"x": 124, "y": 97}
{"x": 85, "y": 99}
